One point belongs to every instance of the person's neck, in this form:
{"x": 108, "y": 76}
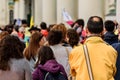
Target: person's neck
{"x": 93, "y": 35}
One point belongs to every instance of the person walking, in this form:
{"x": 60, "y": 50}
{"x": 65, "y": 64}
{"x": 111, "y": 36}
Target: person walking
{"x": 102, "y": 56}
{"x": 109, "y": 35}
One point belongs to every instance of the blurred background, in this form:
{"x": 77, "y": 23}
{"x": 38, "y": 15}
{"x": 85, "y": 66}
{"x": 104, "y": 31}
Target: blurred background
{"x": 53, "y": 11}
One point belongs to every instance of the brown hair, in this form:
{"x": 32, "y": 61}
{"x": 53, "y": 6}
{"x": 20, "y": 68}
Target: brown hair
{"x": 33, "y": 46}
{"x": 3, "y": 34}
{"x": 61, "y": 27}
{"x": 73, "y": 37}
{"x": 54, "y": 37}
{"x": 45, "y": 53}
{"x": 10, "y": 47}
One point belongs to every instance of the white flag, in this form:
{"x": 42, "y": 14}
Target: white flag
{"x": 66, "y": 16}
{"x": 118, "y": 11}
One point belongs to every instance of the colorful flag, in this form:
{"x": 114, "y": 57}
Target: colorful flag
{"x": 66, "y": 17}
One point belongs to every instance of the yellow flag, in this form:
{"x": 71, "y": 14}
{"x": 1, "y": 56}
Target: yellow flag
{"x": 31, "y": 22}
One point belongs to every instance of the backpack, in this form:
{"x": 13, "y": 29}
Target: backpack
{"x": 55, "y": 76}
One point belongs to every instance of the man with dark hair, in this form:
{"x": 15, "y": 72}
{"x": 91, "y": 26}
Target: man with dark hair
{"x": 43, "y": 25}
{"x": 95, "y": 25}
{"x": 44, "y": 30}
{"x": 102, "y": 56}
{"x": 109, "y": 36}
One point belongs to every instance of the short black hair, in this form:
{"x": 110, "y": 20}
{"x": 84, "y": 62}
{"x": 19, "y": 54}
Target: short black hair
{"x": 109, "y": 25}
{"x": 43, "y": 25}
{"x": 95, "y": 24}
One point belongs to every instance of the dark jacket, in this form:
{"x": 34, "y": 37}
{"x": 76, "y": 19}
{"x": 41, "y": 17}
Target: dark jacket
{"x": 50, "y": 66}
{"x": 110, "y": 37}
{"x": 117, "y": 47}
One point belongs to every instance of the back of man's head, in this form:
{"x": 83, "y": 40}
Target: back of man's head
{"x": 95, "y": 25}
{"x": 109, "y": 25}
{"x": 43, "y": 25}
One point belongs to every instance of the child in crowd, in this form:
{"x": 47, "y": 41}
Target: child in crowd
{"x": 46, "y": 63}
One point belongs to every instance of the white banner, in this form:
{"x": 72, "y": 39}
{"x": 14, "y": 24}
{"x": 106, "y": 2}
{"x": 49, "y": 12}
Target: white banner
{"x": 66, "y": 16}
{"x": 118, "y": 11}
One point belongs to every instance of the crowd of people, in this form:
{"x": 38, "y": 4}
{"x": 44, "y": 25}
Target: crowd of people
{"x": 29, "y": 53}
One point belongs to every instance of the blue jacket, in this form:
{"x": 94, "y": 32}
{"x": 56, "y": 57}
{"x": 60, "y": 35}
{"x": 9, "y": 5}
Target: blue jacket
{"x": 110, "y": 37}
{"x": 117, "y": 47}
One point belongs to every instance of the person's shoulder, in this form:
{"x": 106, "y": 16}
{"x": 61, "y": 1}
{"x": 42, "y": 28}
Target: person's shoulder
{"x": 116, "y": 46}
{"x": 79, "y": 46}
{"x": 18, "y": 60}
{"x": 67, "y": 46}
{"x": 19, "y": 63}
{"x": 109, "y": 48}
{"x": 77, "y": 49}
{"x": 106, "y": 43}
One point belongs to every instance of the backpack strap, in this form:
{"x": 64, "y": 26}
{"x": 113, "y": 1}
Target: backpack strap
{"x": 88, "y": 63}
{"x": 46, "y": 75}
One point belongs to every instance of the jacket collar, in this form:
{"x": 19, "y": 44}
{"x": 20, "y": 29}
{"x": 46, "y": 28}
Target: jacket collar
{"x": 94, "y": 39}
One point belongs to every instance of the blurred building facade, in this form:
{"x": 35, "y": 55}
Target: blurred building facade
{"x": 50, "y": 11}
